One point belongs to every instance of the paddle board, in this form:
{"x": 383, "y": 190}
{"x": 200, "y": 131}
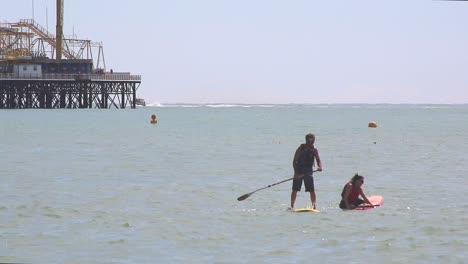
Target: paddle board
{"x": 375, "y": 200}
{"x": 306, "y": 209}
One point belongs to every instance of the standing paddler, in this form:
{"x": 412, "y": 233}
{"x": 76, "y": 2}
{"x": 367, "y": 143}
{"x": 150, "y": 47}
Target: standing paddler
{"x": 303, "y": 163}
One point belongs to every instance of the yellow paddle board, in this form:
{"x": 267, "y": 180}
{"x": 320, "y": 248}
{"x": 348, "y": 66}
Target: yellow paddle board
{"x": 306, "y": 209}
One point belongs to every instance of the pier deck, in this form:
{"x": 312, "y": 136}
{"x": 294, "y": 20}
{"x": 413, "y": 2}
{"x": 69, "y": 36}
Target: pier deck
{"x": 50, "y": 91}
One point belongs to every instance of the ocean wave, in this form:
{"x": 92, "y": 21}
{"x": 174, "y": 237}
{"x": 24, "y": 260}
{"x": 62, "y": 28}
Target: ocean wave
{"x": 293, "y": 105}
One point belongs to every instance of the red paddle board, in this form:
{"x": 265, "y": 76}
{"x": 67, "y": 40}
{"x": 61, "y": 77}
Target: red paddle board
{"x": 375, "y": 200}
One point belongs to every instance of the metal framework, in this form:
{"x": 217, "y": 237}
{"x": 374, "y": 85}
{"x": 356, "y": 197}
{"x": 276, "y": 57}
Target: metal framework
{"x": 28, "y": 38}
{"x": 77, "y": 93}
{"x": 77, "y": 81}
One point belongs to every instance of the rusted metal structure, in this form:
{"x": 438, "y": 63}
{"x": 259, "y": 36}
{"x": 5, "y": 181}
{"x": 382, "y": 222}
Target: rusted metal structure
{"x": 69, "y": 91}
{"x": 33, "y": 73}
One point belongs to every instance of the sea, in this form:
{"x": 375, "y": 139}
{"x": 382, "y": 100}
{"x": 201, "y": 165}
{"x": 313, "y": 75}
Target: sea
{"x": 107, "y": 186}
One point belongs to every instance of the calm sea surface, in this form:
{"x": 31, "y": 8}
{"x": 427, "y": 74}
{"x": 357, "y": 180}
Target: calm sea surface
{"x": 106, "y": 186}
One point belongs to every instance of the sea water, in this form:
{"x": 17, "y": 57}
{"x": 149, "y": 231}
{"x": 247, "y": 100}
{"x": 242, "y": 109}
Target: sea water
{"x": 107, "y": 186}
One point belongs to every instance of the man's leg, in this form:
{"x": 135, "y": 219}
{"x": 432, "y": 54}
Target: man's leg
{"x": 312, "y": 199}
{"x": 293, "y": 198}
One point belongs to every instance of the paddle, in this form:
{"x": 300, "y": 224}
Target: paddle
{"x": 245, "y": 196}
{"x": 367, "y": 205}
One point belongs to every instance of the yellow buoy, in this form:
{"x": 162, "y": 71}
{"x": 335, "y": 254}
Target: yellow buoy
{"x": 153, "y": 119}
{"x": 372, "y": 124}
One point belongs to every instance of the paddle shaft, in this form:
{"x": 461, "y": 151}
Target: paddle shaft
{"x": 273, "y": 184}
{"x": 365, "y": 206}
{"x": 245, "y": 196}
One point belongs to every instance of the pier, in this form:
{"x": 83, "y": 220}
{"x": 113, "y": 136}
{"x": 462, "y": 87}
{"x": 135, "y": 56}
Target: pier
{"x": 116, "y": 90}
{"x": 34, "y": 75}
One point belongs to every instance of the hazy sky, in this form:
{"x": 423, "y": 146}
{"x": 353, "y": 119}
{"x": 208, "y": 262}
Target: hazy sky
{"x": 275, "y": 51}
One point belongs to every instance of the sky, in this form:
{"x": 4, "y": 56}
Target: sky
{"x": 275, "y": 51}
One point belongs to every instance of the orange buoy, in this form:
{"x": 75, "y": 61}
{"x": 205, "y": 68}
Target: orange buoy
{"x": 372, "y": 124}
{"x": 153, "y": 119}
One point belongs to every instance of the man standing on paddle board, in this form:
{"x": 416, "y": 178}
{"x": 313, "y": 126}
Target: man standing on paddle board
{"x": 303, "y": 163}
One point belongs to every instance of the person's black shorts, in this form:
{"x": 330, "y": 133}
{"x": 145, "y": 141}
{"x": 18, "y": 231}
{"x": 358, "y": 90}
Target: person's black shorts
{"x": 308, "y": 183}
{"x": 356, "y": 203}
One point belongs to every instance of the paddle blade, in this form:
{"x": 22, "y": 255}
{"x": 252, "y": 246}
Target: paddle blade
{"x": 243, "y": 197}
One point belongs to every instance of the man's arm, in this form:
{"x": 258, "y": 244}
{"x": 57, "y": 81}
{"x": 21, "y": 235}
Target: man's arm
{"x": 295, "y": 160}
{"x": 319, "y": 162}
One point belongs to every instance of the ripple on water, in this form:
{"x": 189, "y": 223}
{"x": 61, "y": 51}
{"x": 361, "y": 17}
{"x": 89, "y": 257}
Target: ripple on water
{"x": 118, "y": 241}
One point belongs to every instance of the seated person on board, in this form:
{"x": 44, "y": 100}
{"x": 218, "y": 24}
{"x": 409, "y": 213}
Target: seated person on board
{"x": 350, "y": 194}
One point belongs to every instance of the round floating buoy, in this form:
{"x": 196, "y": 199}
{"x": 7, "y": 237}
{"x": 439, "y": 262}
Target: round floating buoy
{"x": 153, "y": 119}
{"x": 372, "y": 124}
